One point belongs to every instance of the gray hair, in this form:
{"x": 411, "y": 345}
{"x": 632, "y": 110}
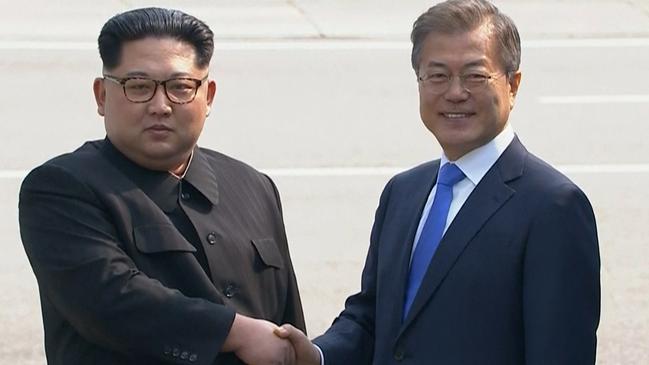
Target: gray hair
{"x": 458, "y": 16}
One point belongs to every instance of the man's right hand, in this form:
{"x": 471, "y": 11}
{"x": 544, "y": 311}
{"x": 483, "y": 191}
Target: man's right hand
{"x": 254, "y": 343}
{"x": 305, "y": 351}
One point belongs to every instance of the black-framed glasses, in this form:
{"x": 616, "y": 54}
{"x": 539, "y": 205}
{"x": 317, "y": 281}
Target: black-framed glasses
{"x": 440, "y": 82}
{"x": 179, "y": 90}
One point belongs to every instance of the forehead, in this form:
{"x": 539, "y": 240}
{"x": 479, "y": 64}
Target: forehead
{"x": 157, "y": 55}
{"x": 463, "y": 49}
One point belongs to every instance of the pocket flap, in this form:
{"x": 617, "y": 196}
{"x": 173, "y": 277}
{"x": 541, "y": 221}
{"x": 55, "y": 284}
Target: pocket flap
{"x": 156, "y": 238}
{"x": 268, "y": 251}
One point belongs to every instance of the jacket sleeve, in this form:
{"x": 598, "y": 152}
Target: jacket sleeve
{"x": 350, "y": 339}
{"x": 561, "y": 283}
{"x": 83, "y": 271}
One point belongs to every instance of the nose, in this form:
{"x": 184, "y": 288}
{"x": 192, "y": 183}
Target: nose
{"x": 160, "y": 104}
{"x": 456, "y": 92}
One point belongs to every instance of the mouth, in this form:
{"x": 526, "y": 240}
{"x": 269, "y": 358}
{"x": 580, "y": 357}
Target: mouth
{"x": 158, "y": 131}
{"x": 158, "y": 128}
{"x": 457, "y": 115}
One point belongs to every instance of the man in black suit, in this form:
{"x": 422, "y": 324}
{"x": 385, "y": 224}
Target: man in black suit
{"x": 485, "y": 256}
{"x": 148, "y": 249}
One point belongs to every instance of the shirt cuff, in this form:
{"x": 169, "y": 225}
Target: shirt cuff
{"x": 321, "y": 354}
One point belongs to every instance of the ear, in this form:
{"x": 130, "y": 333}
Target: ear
{"x": 211, "y": 92}
{"x": 99, "y": 90}
{"x": 514, "y": 83}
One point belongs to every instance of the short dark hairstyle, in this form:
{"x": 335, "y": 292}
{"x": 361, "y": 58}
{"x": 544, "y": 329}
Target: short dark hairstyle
{"x": 458, "y": 16}
{"x": 154, "y": 22}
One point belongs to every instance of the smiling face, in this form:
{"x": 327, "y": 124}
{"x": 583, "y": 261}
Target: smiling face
{"x": 157, "y": 134}
{"x": 462, "y": 120}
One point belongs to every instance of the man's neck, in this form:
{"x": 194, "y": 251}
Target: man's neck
{"x": 180, "y": 171}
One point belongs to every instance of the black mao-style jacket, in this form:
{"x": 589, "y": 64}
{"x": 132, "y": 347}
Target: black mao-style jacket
{"x": 139, "y": 267}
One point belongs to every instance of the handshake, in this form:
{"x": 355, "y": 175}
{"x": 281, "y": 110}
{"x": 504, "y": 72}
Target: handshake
{"x": 259, "y": 342}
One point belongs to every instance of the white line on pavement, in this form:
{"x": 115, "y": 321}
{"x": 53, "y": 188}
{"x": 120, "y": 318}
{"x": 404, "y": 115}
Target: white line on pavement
{"x": 331, "y": 44}
{"x": 13, "y": 174}
{"x": 389, "y": 171}
{"x": 586, "y": 43}
{"x": 593, "y": 99}
{"x": 47, "y": 46}
{"x": 334, "y": 171}
{"x": 603, "y": 168}
{"x": 242, "y": 45}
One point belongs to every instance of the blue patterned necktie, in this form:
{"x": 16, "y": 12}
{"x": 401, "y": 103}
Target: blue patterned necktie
{"x": 432, "y": 232}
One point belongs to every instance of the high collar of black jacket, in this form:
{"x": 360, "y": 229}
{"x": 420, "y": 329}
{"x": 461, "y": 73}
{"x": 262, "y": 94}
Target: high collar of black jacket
{"x": 162, "y": 186}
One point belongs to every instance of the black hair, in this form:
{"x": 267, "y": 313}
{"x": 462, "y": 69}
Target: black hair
{"x": 154, "y": 22}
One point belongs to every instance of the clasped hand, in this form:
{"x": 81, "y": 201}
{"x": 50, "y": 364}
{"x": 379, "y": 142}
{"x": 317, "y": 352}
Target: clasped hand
{"x": 259, "y": 342}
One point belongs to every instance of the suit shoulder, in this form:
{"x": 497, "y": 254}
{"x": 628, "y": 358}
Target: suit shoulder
{"x": 75, "y": 163}
{"x": 424, "y": 171}
{"x": 548, "y": 183}
{"x": 85, "y": 154}
{"x": 545, "y": 174}
{"x": 223, "y": 163}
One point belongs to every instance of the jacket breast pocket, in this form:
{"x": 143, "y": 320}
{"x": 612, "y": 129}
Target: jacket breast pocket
{"x": 159, "y": 238}
{"x": 268, "y": 252}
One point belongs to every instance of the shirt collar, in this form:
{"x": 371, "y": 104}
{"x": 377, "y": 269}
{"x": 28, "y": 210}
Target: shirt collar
{"x": 202, "y": 176}
{"x": 162, "y": 186}
{"x": 180, "y": 177}
{"x": 476, "y": 163}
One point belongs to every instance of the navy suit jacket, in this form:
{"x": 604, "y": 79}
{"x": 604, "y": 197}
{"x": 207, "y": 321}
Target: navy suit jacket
{"x": 515, "y": 279}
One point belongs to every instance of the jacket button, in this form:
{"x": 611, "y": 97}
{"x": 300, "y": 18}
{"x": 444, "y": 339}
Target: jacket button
{"x": 175, "y": 352}
{"x": 211, "y": 238}
{"x": 399, "y": 354}
{"x": 193, "y": 357}
{"x": 184, "y": 355}
{"x": 185, "y": 195}
{"x": 230, "y": 291}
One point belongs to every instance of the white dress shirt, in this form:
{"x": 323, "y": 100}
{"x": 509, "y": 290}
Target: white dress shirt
{"x": 474, "y": 165}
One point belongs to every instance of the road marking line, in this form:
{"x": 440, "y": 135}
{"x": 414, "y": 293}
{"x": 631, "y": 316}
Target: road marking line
{"x": 13, "y": 174}
{"x": 593, "y": 99}
{"x": 47, "y": 46}
{"x": 586, "y": 43}
{"x": 334, "y": 171}
{"x": 315, "y": 44}
{"x": 603, "y": 168}
{"x": 389, "y": 171}
{"x": 331, "y": 44}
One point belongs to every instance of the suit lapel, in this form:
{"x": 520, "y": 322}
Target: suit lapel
{"x": 487, "y": 197}
{"x": 412, "y": 206}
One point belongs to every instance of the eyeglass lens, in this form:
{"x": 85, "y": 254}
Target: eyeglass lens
{"x": 178, "y": 90}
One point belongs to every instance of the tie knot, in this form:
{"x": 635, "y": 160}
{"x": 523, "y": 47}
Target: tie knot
{"x": 450, "y": 175}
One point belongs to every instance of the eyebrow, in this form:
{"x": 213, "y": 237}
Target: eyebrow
{"x": 478, "y": 62}
{"x": 137, "y": 73}
{"x": 147, "y": 75}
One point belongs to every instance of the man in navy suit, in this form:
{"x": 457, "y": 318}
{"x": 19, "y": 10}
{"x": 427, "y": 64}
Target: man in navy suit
{"x": 509, "y": 272}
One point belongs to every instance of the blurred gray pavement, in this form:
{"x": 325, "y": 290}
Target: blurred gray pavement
{"x": 320, "y": 94}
